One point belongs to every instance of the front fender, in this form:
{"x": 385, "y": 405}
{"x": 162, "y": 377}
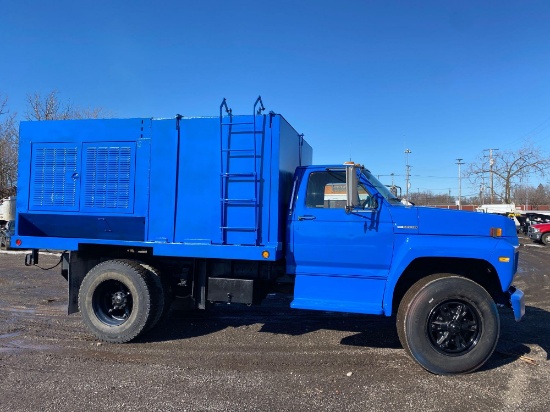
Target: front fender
{"x": 409, "y": 248}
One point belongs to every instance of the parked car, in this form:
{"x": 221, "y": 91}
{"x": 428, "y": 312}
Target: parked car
{"x": 532, "y": 218}
{"x": 540, "y": 232}
{"x": 6, "y": 233}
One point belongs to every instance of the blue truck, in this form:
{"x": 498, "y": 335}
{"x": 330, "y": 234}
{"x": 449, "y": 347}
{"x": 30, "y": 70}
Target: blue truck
{"x": 230, "y": 208}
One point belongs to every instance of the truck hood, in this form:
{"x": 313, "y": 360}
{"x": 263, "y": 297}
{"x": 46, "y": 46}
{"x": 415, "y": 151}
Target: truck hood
{"x": 434, "y": 221}
{"x": 541, "y": 226}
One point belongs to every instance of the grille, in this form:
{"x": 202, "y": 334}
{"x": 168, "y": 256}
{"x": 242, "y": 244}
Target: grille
{"x": 53, "y": 181}
{"x": 108, "y": 179}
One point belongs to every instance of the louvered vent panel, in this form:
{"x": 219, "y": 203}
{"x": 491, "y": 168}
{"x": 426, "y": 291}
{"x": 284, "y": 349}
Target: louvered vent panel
{"x": 53, "y": 182}
{"x": 109, "y": 178}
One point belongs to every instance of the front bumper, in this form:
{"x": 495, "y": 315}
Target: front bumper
{"x": 535, "y": 236}
{"x": 516, "y": 301}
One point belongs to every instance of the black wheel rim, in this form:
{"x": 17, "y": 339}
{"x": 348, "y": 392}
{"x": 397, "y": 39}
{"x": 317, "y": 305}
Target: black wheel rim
{"x": 454, "y": 327}
{"x": 112, "y": 302}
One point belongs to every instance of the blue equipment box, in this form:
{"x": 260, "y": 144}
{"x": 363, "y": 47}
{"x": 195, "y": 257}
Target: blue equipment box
{"x": 212, "y": 187}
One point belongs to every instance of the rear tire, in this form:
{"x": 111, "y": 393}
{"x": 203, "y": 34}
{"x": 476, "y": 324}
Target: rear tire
{"x": 119, "y": 299}
{"x": 164, "y": 295}
{"x": 448, "y": 324}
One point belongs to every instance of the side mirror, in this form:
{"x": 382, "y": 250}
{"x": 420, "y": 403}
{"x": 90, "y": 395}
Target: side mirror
{"x": 352, "y": 198}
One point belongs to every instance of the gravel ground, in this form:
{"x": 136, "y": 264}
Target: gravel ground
{"x": 267, "y": 357}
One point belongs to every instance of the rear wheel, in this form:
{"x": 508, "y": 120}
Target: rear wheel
{"x": 119, "y": 299}
{"x": 448, "y": 324}
{"x": 164, "y": 295}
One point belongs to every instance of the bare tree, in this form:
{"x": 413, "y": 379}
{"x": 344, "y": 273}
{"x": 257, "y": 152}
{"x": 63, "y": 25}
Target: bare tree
{"x": 3, "y": 105}
{"x": 531, "y": 195}
{"x": 8, "y": 150}
{"x": 539, "y": 196}
{"x": 50, "y": 107}
{"x": 509, "y": 168}
{"x": 428, "y": 198}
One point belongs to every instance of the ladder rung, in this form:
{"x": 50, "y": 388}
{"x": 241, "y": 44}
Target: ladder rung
{"x": 239, "y": 150}
{"x": 239, "y": 175}
{"x": 232, "y": 124}
{"x": 247, "y": 132}
{"x": 250, "y": 229}
{"x": 240, "y": 201}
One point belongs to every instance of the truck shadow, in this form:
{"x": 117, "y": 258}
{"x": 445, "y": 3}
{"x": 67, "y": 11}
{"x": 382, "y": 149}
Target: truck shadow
{"x": 534, "y": 329}
{"x": 276, "y": 317}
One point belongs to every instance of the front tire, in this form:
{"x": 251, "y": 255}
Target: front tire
{"x": 448, "y": 324}
{"x": 546, "y": 239}
{"x": 119, "y": 299}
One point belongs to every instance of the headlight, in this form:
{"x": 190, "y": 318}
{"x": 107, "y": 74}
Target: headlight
{"x": 535, "y": 230}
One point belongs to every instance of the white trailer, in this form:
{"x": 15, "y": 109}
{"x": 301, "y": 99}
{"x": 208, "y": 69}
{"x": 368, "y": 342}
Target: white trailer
{"x": 7, "y": 210}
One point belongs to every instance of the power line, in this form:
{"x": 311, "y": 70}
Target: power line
{"x": 545, "y": 124}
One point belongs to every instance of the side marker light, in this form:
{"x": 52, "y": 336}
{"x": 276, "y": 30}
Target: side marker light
{"x": 496, "y": 232}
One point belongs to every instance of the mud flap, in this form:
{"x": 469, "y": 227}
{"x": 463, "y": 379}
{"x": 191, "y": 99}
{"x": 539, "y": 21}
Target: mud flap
{"x": 517, "y": 302}
{"x": 77, "y": 269}
{"x": 31, "y": 258}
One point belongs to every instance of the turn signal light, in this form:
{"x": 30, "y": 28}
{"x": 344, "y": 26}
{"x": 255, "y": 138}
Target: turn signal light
{"x": 265, "y": 254}
{"x": 496, "y": 232}
{"x": 504, "y": 259}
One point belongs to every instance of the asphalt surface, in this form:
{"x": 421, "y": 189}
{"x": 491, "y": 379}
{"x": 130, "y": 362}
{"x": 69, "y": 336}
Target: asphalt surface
{"x": 267, "y": 357}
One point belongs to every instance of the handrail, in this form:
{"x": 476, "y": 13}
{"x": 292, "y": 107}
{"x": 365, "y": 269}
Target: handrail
{"x": 261, "y": 109}
{"x": 227, "y": 110}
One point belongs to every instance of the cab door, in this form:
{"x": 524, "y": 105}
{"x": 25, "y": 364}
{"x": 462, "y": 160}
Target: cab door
{"x": 341, "y": 260}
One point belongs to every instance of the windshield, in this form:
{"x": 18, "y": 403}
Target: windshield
{"x": 384, "y": 191}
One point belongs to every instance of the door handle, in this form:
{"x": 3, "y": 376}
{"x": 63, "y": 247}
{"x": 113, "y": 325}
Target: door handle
{"x": 306, "y": 217}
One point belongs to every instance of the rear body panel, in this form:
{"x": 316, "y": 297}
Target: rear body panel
{"x": 196, "y": 187}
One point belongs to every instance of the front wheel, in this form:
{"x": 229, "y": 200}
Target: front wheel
{"x": 546, "y": 239}
{"x": 448, "y": 324}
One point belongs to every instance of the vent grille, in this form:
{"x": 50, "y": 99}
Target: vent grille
{"x": 54, "y": 184}
{"x": 109, "y": 178}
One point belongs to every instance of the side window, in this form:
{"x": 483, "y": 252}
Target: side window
{"x": 327, "y": 190}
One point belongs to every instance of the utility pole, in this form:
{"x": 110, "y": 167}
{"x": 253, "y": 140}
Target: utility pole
{"x": 459, "y": 162}
{"x": 482, "y": 190}
{"x": 481, "y": 187}
{"x": 407, "y": 172}
{"x": 491, "y": 163}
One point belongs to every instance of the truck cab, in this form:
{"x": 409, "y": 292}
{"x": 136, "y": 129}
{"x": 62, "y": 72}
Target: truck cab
{"x": 353, "y": 246}
{"x": 539, "y": 232}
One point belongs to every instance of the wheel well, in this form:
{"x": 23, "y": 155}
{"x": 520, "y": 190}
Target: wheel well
{"x": 480, "y": 271}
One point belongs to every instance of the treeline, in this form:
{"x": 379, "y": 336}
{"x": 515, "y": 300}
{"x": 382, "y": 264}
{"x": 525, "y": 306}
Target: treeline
{"x": 39, "y": 107}
{"x": 532, "y": 196}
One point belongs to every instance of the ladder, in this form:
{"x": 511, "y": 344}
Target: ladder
{"x": 239, "y": 177}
